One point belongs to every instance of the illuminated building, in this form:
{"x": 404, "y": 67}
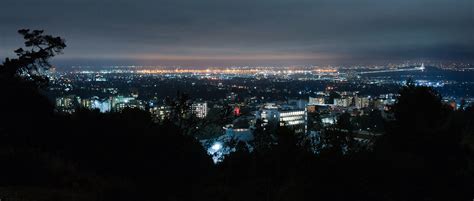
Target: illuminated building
{"x": 237, "y": 111}
{"x": 160, "y": 113}
{"x": 129, "y": 104}
{"x": 86, "y": 103}
{"x": 295, "y": 119}
{"x": 120, "y": 102}
{"x": 102, "y": 105}
{"x": 134, "y": 94}
{"x": 240, "y": 127}
{"x": 231, "y": 96}
{"x": 316, "y": 101}
{"x": 67, "y": 103}
{"x": 343, "y": 102}
{"x": 328, "y": 120}
{"x": 292, "y": 117}
{"x": 311, "y": 108}
{"x": 199, "y": 109}
{"x": 362, "y": 102}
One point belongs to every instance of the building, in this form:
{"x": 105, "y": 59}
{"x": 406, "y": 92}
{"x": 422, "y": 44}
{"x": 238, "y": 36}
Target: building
{"x": 292, "y": 117}
{"x": 297, "y": 103}
{"x": 361, "y": 102}
{"x": 67, "y": 104}
{"x": 103, "y": 105}
{"x": 328, "y": 120}
{"x": 343, "y": 102}
{"x": 129, "y": 104}
{"x": 241, "y": 126}
{"x": 295, "y": 119}
{"x": 316, "y": 101}
{"x": 160, "y": 113}
{"x": 86, "y": 103}
{"x": 118, "y": 103}
{"x": 269, "y": 116}
{"x": 199, "y": 109}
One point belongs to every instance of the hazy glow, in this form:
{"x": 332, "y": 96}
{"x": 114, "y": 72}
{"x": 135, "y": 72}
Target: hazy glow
{"x": 232, "y": 57}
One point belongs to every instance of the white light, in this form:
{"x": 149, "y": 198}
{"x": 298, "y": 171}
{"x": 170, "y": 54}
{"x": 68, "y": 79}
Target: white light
{"x": 216, "y": 146}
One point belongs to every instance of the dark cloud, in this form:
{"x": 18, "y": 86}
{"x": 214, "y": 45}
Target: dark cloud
{"x": 215, "y": 32}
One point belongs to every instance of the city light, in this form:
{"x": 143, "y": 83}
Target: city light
{"x": 216, "y": 146}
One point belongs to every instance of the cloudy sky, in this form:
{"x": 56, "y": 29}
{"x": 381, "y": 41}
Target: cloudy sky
{"x": 246, "y": 32}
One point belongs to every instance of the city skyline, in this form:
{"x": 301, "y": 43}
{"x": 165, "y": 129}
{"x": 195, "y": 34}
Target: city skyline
{"x": 212, "y": 100}
{"x": 246, "y": 32}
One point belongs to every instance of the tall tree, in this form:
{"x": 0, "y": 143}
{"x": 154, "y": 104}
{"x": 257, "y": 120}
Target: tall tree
{"x": 34, "y": 59}
{"x": 20, "y": 79}
{"x": 419, "y": 108}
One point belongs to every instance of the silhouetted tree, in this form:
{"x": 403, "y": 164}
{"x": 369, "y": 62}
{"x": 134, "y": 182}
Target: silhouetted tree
{"x": 263, "y": 137}
{"x": 314, "y": 121}
{"x": 33, "y": 62}
{"x": 23, "y": 104}
{"x": 423, "y": 143}
{"x": 344, "y": 122}
{"x": 333, "y": 95}
{"x": 419, "y": 108}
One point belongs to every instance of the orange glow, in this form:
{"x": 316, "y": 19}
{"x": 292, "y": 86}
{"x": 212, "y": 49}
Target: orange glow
{"x": 236, "y": 71}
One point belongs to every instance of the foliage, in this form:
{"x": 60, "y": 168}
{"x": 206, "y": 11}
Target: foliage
{"x": 31, "y": 63}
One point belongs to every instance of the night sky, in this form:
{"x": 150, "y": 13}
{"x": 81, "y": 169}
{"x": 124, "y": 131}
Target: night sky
{"x": 245, "y": 32}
